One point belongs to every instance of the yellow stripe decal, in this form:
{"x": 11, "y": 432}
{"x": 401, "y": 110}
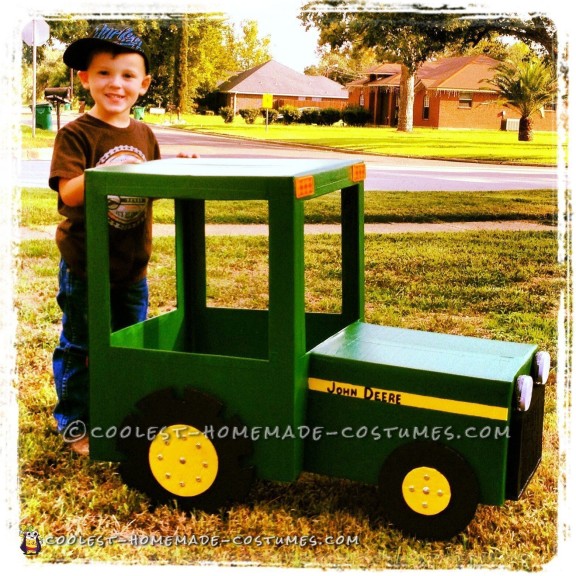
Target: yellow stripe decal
{"x": 408, "y": 399}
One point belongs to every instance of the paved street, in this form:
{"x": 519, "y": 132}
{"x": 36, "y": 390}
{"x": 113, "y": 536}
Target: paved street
{"x": 383, "y": 172}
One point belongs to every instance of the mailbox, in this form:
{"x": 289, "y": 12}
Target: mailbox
{"x": 57, "y": 96}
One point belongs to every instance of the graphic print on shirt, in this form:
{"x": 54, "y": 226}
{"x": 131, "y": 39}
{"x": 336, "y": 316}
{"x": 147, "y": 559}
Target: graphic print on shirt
{"x": 124, "y": 212}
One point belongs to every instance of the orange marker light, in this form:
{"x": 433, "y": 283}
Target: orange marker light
{"x": 358, "y": 172}
{"x": 304, "y": 186}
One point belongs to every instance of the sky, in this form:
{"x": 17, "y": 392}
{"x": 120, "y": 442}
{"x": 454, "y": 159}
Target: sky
{"x": 294, "y": 46}
{"x": 290, "y": 43}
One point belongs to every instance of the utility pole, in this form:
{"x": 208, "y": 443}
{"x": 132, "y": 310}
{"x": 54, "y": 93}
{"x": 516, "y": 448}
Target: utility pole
{"x": 35, "y": 33}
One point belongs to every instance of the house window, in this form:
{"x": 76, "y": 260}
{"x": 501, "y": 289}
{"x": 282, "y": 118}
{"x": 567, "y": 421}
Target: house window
{"x": 426, "y": 108}
{"x": 550, "y": 107}
{"x": 465, "y": 100}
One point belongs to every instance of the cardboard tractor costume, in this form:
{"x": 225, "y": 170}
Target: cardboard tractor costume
{"x": 197, "y": 402}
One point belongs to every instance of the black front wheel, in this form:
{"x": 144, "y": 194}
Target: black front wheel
{"x": 184, "y": 451}
{"x": 428, "y": 490}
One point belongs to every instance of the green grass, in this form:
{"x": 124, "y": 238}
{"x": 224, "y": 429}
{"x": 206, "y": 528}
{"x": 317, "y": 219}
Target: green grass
{"x": 476, "y": 145}
{"x": 483, "y": 145}
{"x": 41, "y": 139}
{"x": 498, "y": 285}
{"x": 489, "y": 284}
{"x": 38, "y": 208}
{"x": 490, "y": 146}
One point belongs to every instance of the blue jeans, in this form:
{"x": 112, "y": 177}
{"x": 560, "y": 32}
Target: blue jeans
{"x": 70, "y": 359}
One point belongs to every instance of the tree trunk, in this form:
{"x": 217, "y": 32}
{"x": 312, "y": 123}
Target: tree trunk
{"x": 525, "y": 129}
{"x": 181, "y": 70}
{"x": 406, "y": 104}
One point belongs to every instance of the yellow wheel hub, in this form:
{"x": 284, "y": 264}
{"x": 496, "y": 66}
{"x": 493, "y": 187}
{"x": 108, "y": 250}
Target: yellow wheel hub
{"x": 183, "y": 460}
{"x": 426, "y": 490}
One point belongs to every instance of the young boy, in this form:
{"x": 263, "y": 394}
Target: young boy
{"x": 113, "y": 66}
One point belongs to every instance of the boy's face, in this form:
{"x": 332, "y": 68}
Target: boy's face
{"x": 115, "y": 81}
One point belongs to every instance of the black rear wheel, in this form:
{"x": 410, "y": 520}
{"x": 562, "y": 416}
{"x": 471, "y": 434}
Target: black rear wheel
{"x": 182, "y": 450}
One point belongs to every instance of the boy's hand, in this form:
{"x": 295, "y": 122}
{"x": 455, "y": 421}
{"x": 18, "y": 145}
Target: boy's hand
{"x": 184, "y": 155}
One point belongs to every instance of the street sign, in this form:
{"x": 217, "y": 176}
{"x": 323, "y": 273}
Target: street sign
{"x": 36, "y": 32}
{"x": 267, "y": 100}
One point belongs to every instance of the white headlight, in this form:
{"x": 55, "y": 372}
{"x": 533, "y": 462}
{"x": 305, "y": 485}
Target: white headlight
{"x": 524, "y": 386}
{"x": 541, "y": 367}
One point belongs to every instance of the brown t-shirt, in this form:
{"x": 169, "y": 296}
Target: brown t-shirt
{"x": 88, "y": 142}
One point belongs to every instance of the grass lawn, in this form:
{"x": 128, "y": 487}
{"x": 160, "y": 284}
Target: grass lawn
{"x": 481, "y": 145}
{"x": 38, "y": 208}
{"x": 489, "y": 284}
{"x": 485, "y": 145}
{"x": 497, "y": 285}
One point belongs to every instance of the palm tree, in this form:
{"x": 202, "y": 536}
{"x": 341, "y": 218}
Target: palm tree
{"x": 527, "y": 85}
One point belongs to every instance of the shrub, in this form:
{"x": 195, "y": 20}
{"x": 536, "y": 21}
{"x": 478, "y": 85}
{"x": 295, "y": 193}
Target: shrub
{"x": 249, "y": 114}
{"x": 290, "y": 114}
{"x": 227, "y": 113}
{"x": 355, "y": 116}
{"x": 205, "y": 111}
{"x": 310, "y": 116}
{"x": 329, "y": 116}
{"x": 272, "y": 114}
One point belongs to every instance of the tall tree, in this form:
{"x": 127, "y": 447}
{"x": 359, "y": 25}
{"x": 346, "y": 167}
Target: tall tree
{"x": 181, "y": 70}
{"x": 251, "y": 50}
{"x": 527, "y": 85}
{"x": 536, "y": 31}
{"x": 209, "y": 57}
{"x": 162, "y": 38}
{"x": 407, "y": 38}
{"x": 190, "y": 54}
{"x": 343, "y": 66}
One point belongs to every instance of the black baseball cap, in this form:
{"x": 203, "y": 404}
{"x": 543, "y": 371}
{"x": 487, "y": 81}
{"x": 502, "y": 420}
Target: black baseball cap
{"x": 123, "y": 40}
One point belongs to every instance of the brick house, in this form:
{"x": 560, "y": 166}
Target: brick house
{"x": 448, "y": 93}
{"x": 288, "y": 88}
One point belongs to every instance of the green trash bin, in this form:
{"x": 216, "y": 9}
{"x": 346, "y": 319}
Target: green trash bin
{"x": 44, "y": 116}
{"x": 138, "y": 113}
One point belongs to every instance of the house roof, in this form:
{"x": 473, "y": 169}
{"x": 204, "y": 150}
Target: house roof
{"x": 459, "y": 73}
{"x": 387, "y": 69}
{"x": 449, "y": 74}
{"x": 275, "y": 78}
{"x": 377, "y": 74}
